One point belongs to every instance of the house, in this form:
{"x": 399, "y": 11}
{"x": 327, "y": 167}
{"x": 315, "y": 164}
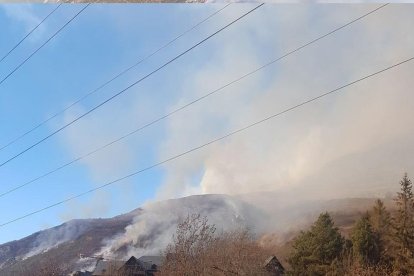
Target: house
{"x": 107, "y": 267}
{"x": 81, "y": 273}
{"x": 153, "y": 262}
{"x": 273, "y": 266}
{"x": 145, "y": 266}
{"x": 133, "y": 267}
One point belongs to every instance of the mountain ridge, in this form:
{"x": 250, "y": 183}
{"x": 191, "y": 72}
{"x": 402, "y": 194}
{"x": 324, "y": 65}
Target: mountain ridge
{"x": 148, "y": 229}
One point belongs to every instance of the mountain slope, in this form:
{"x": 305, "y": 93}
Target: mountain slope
{"x": 62, "y": 243}
{"x": 147, "y": 230}
{"x": 144, "y": 230}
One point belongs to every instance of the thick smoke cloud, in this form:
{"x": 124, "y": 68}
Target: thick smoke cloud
{"x": 357, "y": 142}
{"x": 155, "y": 225}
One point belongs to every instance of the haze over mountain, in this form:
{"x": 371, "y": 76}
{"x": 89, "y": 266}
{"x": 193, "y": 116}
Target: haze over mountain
{"x": 147, "y": 230}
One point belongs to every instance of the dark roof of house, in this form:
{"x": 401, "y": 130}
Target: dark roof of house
{"x": 273, "y": 261}
{"x": 144, "y": 262}
{"x": 268, "y": 260}
{"x": 134, "y": 263}
{"x": 81, "y": 273}
{"x": 157, "y": 260}
{"x": 104, "y": 266}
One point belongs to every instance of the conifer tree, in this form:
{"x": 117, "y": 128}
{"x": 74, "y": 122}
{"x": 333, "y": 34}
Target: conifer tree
{"x": 365, "y": 242}
{"x": 380, "y": 219}
{"x": 404, "y": 226}
{"x": 315, "y": 250}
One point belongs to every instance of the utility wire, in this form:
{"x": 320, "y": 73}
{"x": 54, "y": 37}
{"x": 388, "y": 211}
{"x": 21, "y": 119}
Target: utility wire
{"x": 29, "y": 33}
{"x": 110, "y": 80}
{"x": 210, "y": 142}
{"x": 128, "y": 87}
{"x": 183, "y": 106}
{"x": 41, "y": 46}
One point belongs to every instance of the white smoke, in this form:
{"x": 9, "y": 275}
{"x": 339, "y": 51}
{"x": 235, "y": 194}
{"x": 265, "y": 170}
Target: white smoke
{"x": 353, "y": 143}
{"x": 51, "y": 238}
{"x": 154, "y": 227}
{"x": 155, "y": 224}
{"x": 357, "y": 142}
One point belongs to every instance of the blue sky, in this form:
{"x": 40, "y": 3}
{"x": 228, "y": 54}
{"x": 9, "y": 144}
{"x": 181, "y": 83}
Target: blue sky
{"x": 105, "y": 39}
{"x": 101, "y": 42}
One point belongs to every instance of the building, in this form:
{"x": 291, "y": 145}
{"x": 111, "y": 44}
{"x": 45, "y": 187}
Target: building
{"x": 144, "y": 266}
{"x": 81, "y": 273}
{"x": 107, "y": 267}
{"x": 154, "y": 261}
{"x": 273, "y": 266}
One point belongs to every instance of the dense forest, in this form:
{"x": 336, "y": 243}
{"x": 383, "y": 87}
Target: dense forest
{"x": 381, "y": 242}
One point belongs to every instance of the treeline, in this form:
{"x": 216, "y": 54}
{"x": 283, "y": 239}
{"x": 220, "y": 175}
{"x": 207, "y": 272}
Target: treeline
{"x": 198, "y": 250}
{"x": 381, "y": 242}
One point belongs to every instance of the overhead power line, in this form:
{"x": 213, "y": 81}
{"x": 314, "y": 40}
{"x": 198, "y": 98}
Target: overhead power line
{"x": 110, "y": 80}
{"x": 41, "y": 46}
{"x": 29, "y": 33}
{"x": 128, "y": 87}
{"x": 211, "y": 142}
{"x": 184, "y": 106}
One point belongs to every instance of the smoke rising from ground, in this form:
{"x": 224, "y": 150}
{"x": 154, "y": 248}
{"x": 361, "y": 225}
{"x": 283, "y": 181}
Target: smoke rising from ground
{"x": 357, "y": 142}
{"x": 154, "y": 227}
{"x": 354, "y": 143}
{"x": 53, "y": 237}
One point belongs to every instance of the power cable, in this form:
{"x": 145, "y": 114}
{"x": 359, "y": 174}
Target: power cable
{"x": 29, "y": 33}
{"x": 210, "y": 142}
{"x": 183, "y": 106}
{"x": 127, "y": 88}
{"x": 41, "y": 46}
{"x": 110, "y": 80}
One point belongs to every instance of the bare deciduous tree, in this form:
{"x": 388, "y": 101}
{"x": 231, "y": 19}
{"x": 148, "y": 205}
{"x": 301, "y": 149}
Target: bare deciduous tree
{"x": 237, "y": 252}
{"x": 46, "y": 268}
{"x": 198, "y": 250}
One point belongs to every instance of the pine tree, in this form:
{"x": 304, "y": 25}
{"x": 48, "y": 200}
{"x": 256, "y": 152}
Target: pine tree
{"x": 380, "y": 220}
{"x": 315, "y": 250}
{"x": 404, "y": 225}
{"x": 365, "y": 242}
